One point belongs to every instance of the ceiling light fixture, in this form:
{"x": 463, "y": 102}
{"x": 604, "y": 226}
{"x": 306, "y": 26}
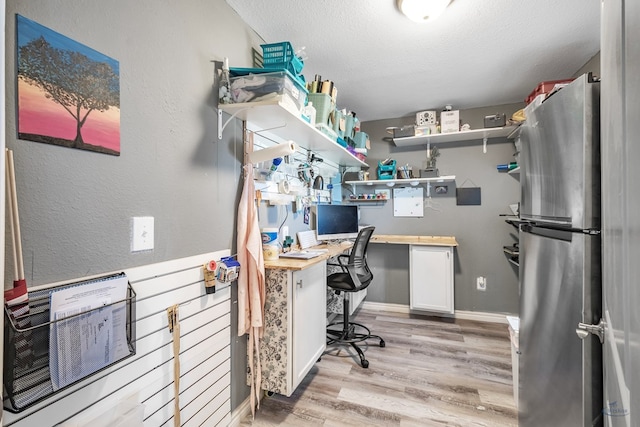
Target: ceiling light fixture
{"x": 422, "y": 10}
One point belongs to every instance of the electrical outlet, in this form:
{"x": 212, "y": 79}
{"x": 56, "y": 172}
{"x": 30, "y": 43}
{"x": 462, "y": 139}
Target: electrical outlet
{"x": 481, "y": 283}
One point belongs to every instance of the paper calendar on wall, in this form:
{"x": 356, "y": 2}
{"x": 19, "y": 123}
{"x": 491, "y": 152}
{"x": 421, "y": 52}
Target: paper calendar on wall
{"x": 408, "y": 202}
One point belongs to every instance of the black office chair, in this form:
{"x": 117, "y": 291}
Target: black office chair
{"x": 354, "y": 277}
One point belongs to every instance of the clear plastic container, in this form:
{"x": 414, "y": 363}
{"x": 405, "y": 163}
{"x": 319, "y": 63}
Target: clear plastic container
{"x": 309, "y": 112}
{"x": 224, "y": 88}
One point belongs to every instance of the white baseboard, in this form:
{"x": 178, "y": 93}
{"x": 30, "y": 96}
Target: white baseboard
{"x": 381, "y": 306}
{"x": 240, "y": 412}
{"x": 477, "y": 316}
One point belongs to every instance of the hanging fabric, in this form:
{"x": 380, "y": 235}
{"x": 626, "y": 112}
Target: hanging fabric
{"x": 251, "y": 281}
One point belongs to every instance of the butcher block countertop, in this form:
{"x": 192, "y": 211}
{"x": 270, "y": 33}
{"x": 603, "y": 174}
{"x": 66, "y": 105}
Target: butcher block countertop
{"x": 414, "y": 240}
{"x": 301, "y": 264}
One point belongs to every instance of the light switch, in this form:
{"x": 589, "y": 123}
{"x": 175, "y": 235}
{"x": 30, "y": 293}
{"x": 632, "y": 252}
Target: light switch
{"x": 142, "y": 234}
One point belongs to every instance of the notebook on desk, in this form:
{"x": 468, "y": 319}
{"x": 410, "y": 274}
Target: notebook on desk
{"x": 302, "y": 254}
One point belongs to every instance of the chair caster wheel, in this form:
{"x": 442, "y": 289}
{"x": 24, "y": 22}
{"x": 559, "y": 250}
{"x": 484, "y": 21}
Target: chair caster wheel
{"x": 269, "y": 393}
{"x": 382, "y": 343}
{"x": 364, "y": 363}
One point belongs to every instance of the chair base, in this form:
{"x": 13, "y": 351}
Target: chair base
{"x": 349, "y": 335}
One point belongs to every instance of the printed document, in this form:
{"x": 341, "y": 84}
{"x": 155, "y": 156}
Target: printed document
{"x": 87, "y": 342}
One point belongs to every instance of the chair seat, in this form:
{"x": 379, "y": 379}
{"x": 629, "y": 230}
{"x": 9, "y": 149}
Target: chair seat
{"x": 343, "y": 282}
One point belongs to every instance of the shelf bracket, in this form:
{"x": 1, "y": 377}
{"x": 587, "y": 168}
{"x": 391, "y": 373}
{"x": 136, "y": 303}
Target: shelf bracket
{"x": 221, "y": 126}
{"x": 484, "y": 144}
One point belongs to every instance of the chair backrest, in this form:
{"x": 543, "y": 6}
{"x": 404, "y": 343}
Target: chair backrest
{"x": 358, "y": 258}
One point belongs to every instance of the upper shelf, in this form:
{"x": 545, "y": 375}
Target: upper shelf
{"x": 274, "y": 117}
{"x": 403, "y": 181}
{"x": 467, "y": 135}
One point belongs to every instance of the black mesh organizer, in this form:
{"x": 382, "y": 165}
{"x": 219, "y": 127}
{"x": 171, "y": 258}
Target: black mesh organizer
{"x": 31, "y": 374}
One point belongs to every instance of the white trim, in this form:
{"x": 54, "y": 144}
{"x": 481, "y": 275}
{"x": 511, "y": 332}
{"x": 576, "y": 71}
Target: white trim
{"x": 381, "y": 306}
{"x": 458, "y": 314}
{"x": 239, "y": 414}
{"x": 482, "y": 316}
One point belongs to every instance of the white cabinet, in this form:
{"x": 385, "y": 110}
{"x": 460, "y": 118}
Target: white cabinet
{"x": 431, "y": 278}
{"x": 309, "y": 320}
{"x": 295, "y": 326}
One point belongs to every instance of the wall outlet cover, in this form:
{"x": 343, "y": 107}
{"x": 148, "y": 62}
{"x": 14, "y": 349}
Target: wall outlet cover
{"x": 142, "y": 234}
{"x": 481, "y": 283}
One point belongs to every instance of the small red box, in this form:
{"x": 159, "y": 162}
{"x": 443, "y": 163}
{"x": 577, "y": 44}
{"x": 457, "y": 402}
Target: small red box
{"x": 546, "y": 87}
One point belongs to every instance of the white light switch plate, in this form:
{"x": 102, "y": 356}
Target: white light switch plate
{"x": 142, "y": 234}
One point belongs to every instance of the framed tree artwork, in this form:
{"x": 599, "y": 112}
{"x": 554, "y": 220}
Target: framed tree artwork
{"x": 68, "y": 93}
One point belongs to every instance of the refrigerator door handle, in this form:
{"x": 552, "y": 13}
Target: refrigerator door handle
{"x": 585, "y": 329}
{"x": 527, "y": 226}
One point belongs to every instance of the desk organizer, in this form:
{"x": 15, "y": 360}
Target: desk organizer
{"x": 28, "y": 338}
{"x": 387, "y": 171}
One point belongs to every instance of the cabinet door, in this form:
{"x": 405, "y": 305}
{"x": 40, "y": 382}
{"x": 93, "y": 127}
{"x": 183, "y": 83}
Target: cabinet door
{"x": 309, "y": 319}
{"x": 431, "y": 278}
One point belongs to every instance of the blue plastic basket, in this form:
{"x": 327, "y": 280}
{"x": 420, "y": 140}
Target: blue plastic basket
{"x": 387, "y": 171}
{"x": 281, "y": 55}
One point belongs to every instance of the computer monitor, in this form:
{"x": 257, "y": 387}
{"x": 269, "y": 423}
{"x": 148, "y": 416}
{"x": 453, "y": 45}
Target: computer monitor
{"x": 335, "y": 222}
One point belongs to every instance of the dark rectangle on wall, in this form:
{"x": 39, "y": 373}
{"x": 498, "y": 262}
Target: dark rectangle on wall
{"x": 468, "y": 196}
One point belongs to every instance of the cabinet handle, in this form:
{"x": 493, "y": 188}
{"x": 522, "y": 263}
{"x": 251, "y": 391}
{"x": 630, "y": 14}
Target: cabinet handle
{"x": 299, "y": 283}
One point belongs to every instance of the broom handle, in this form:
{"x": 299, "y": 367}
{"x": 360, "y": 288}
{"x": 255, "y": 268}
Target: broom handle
{"x": 10, "y": 203}
{"x": 16, "y": 217}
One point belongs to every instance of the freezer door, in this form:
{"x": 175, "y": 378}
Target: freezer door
{"x": 560, "y": 174}
{"x": 559, "y": 374}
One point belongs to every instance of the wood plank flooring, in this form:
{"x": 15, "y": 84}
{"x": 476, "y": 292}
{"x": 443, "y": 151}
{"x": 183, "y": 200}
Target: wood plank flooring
{"x": 432, "y": 372}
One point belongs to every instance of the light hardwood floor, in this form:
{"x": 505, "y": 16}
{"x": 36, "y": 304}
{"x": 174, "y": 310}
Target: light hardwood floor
{"x": 432, "y": 372}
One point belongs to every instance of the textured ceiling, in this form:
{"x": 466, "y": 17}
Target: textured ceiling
{"x": 478, "y": 53}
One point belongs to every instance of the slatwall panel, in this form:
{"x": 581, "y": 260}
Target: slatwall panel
{"x": 147, "y": 377}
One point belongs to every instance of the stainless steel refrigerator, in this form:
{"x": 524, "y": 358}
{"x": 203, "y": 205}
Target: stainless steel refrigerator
{"x": 560, "y": 373}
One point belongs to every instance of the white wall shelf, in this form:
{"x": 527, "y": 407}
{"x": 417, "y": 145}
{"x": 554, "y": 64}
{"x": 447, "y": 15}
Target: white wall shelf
{"x": 272, "y": 116}
{"x": 516, "y": 132}
{"x": 403, "y": 182}
{"x": 366, "y": 200}
{"x": 468, "y": 135}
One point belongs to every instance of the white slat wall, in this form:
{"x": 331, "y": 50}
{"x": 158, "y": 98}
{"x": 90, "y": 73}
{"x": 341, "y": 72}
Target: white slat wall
{"x": 147, "y": 377}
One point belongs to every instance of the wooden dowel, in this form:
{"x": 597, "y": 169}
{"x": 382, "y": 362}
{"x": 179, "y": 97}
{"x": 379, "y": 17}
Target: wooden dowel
{"x": 8, "y": 179}
{"x": 16, "y": 217}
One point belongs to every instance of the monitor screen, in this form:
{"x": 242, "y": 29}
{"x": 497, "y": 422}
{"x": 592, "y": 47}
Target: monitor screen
{"x": 336, "y": 222}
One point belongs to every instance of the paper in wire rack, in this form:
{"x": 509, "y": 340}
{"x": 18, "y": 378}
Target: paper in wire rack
{"x": 84, "y": 344}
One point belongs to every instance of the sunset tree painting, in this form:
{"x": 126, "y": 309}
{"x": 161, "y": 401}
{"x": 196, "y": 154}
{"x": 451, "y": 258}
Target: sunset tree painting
{"x": 68, "y": 93}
